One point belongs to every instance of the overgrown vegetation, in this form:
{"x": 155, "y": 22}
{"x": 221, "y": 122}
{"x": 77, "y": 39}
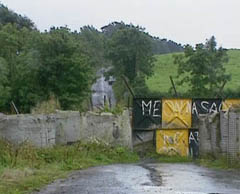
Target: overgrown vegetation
{"x": 24, "y": 168}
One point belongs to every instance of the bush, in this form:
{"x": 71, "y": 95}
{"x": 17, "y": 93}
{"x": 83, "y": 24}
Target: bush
{"x": 47, "y": 107}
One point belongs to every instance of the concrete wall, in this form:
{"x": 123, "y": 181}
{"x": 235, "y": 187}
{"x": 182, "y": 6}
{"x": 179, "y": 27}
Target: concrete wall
{"x": 204, "y": 136}
{"x": 39, "y": 129}
{"x": 220, "y": 134}
{"x": 67, "y": 127}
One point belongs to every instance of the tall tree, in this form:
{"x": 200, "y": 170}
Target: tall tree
{"x": 130, "y": 50}
{"x": 202, "y": 68}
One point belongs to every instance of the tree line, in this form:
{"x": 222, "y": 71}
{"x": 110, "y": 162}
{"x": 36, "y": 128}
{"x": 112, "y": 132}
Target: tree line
{"x": 35, "y": 65}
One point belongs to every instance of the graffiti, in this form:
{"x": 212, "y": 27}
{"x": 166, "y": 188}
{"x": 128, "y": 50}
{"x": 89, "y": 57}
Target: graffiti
{"x": 151, "y": 108}
{"x": 172, "y": 142}
{"x": 193, "y": 143}
{"x": 180, "y": 106}
{"x": 176, "y": 121}
{"x": 176, "y": 113}
{"x": 168, "y": 140}
{"x": 205, "y": 106}
{"x": 147, "y": 113}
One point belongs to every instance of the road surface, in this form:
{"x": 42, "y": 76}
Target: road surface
{"x": 152, "y": 178}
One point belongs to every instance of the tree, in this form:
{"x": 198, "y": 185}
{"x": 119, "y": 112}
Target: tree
{"x": 64, "y": 69}
{"x": 93, "y": 42}
{"x": 18, "y": 73}
{"x": 4, "y": 85}
{"x": 202, "y": 68}
{"x": 130, "y": 51}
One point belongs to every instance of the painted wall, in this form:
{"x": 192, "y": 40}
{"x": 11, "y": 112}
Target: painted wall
{"x": 173, "y": 116}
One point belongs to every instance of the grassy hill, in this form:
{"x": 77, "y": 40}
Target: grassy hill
{"x": 164, "y": 67}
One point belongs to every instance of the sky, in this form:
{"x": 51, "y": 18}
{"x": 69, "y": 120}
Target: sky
{"x": 183, "y": 21}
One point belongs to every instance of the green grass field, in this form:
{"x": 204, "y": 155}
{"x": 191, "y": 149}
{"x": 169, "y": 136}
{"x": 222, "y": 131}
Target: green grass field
{"x": 164, "y": 67}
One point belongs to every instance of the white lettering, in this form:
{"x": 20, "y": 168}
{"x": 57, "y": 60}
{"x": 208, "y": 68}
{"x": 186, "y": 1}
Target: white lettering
{"x": 192, "y": 138}
{"x": 213, "y": 108}
{"x": 148, "y": 105}
{"x": 156, "y": 109}
{"x": 202, "y": 105}
{"x": 194, "y": 109}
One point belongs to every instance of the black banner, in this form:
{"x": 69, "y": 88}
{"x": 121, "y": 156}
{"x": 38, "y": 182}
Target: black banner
{"x": 147, "y": 113}
{"x": 204, "y": 106}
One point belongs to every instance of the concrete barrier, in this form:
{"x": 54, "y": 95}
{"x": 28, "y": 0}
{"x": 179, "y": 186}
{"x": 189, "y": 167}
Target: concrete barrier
{"x": 204, "y": 136}
{"x": 220, "y": 134}
{"x": 38, "y": 129}
{"x": 67, "y": 127}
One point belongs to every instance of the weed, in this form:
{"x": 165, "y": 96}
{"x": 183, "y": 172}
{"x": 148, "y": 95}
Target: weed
{"x": 25, "y": 168}
{"x": 117, "y": 110}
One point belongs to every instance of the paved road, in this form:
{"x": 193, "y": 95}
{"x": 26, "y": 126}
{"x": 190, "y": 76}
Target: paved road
{"x": 148, "y": 178}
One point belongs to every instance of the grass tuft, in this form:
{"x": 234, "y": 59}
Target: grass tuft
{"x": 219, "y": 163}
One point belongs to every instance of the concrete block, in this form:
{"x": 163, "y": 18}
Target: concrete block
{"x": 67, "y": 127}
{"x": 36, "y": 129}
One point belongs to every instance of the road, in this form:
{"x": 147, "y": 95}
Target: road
{"x": 148, "y": 178}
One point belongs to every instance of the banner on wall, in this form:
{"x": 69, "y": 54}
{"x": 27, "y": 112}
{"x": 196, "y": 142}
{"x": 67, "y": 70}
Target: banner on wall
{"x": 147, "y": 113}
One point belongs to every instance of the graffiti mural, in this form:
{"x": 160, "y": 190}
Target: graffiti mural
{"x": 176, "y": 113}
{"x": 172, "y": 142}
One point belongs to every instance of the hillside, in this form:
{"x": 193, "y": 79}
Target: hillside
{"x": 164, "y": 67}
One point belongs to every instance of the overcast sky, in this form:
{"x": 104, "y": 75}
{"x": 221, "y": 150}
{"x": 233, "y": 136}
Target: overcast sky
{"x": 184, "y": 21}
